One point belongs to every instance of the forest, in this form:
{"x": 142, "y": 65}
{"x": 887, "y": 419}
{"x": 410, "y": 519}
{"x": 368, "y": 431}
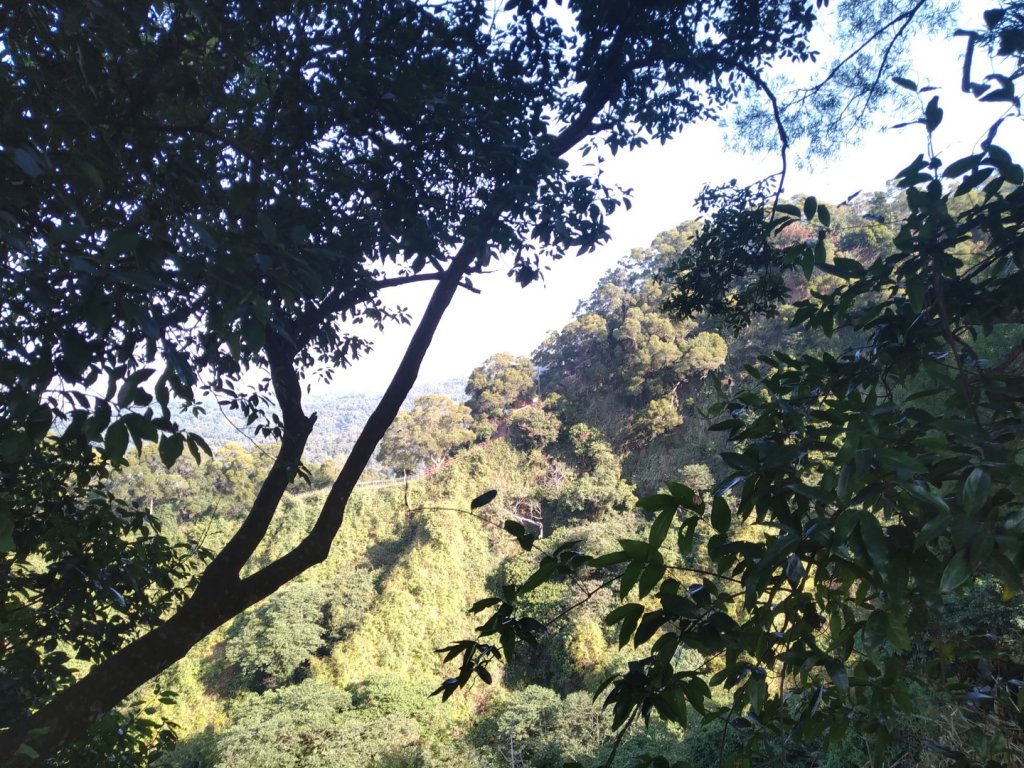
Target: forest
{"x": 757, "y": 503}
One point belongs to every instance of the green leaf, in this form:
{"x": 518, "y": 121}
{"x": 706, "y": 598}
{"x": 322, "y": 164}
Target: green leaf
{"x": 660, "y": 527}
{"x": 721, "y": 515}
{"x": 6, "y": 530}
{"x": 630, "y": 576}
{"x": 484, "y": 604}
{"x": 932, "y": 115}
{"x": 650, "y": 577}
{"x": 873, "y": 538}
{"x": 788, "y": 210}
{"x": 538, "y": 577}
{"x": 877, "y": 627}
{"x": 171, "y": 447}
{"x": 956, "y": 572}
{"x": 609, "y": 558}
{"x": 1000, "y": 566}
{"x": 115, "y": 442}
{"x": 837, "y": 673}
{"x": 517, "y": 529}
{"x": 483, "y": 499}
{"x": 961, "y": 166}
{"x": 810, "y": 207}
{"x": 903, "y": 82}
{"x": 976, "y": 490}
{"x": 629, "y": 615}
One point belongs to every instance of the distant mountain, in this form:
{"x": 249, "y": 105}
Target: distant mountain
{"x": 340, "y": 417}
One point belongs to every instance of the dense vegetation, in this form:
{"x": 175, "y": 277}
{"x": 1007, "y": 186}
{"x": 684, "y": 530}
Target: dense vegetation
{"x": 337, "y": 669}
{"x": 209, "y": 197}
{"x": 842, "y": 576}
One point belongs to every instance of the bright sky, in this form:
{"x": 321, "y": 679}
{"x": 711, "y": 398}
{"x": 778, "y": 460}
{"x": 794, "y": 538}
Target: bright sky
{"x": 665, "y": 181}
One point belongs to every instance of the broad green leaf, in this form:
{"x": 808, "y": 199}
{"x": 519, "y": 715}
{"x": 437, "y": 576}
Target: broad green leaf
{"x": 837, "y": 673}
{"x": 903, "y": 82}
{"x": 874, "y": 540}
{"x": 6, "y": 531}
{"x": 171, "y": 447}
{"x": 976, "y": 490}
{"x": 115, "y": 442}
{"x": 721, "y": 515}
{"x": 652, "y": 574}
{"x": 483, "y": 499}
{"x": 661, "y": 525}
{"x": 956, "y": 572}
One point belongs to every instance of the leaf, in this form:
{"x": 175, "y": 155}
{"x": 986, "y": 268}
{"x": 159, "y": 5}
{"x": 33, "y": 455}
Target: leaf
{"x": 609, "y": 558}
{"x": 538, "y": 577}
{"x": 484, "y": 604}
{"x": 1000, "y": 566}
{"x": 903, "y": 82}
{"x": 6, "y": 530}
{"x": 788, "y": 210}
{"x": 483, "y": 499}
{"x": 660, "y": 527}
{"x": 630, "y": 576}
{"x": 517, "y": 529}
{"x": 932, "y": 114}
{"x": 28, "y": 162}
{"x": 956, "y": 572}
{"x": 629, "y": 615}
{"x": 651, "y": 623}
{"x": 976, "y": 490}
{"x": 837, "y": 673}
{"x": 993, "y": 16}
{"x": 721, "y": 515}
{"x": 794, "y": 569}
{"x": 650, "y": 577}
{"x": 115, "y": 442}
{"x": 171, "y": 447}
{"x": 874, "y": 540}
{"x": 961, "y": 166}
{"x": 810, "y": 207}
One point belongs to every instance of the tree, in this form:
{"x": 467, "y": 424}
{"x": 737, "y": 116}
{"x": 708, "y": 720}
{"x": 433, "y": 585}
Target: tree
{"x": 207, "y": 197}
{"x": 534, "y": 427}
{"x": 874, "y": 488}
{"x": 500, "y": 384}
{"x": 624, "y": 365}
{"x": 426, "y": 435}
{"x": 272, "y": 642}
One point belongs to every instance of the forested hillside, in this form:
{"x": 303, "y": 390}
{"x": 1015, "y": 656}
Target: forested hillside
{"x": 336, "y": 669}
{"x": 757, "y": 504}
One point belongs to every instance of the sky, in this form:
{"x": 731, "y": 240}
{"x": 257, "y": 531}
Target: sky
{"x": 665, "y": 180}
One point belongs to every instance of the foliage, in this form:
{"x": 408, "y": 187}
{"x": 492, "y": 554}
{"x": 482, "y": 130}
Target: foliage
{"x": 425, "y": 435}
{"x": 872, "y": 487}
{"x": 534, "y": 427}
{"x": 273, "y": 641}
{"x": 209, "y": 197}
{"x": 502, "y": 383}
{"x": 626, "y": 367}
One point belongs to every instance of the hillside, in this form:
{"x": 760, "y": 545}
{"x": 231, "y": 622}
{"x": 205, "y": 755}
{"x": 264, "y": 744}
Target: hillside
{"x": 609, "y": 408}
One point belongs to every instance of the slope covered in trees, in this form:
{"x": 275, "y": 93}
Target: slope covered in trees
{"x": 871, "y": 481}
{"x": 337, "y": 669}
{"x": 209, "y": 197}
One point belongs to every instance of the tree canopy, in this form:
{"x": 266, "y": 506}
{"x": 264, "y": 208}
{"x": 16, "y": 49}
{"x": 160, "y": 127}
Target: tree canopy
{"x": 873, "y": 489}
{"x": 209, "y": 198}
